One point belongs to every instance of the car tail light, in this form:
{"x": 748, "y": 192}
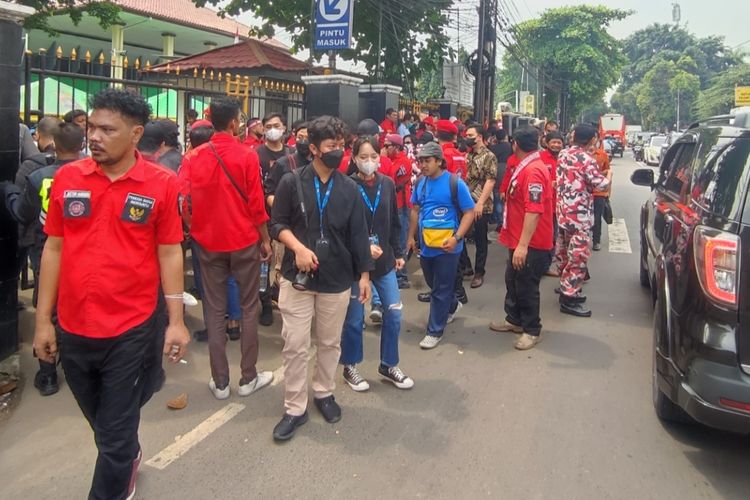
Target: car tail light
{"x": 737, "y": 405}
{"x": 717, "y": 261}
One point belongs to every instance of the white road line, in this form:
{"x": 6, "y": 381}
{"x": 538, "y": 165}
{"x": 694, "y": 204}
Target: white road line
{"x": 183, "y": 444}
{"x": 619, "y": 242}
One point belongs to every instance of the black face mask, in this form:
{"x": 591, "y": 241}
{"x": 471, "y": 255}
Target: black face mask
{"x": 303, "y": 148}
{"x": 332, "y": 159}
{"x": 471, "y": 142}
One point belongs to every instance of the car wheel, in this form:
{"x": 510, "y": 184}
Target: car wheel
{"x": 664, "y": 407}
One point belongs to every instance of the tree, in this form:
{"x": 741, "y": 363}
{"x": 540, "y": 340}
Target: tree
{"x": 413, "y": 33}
{"x": 662, "y": 88}
{"x": 107, "y": 13}
{"x": 573, "y": 53}
{"x": 718, "y": 98}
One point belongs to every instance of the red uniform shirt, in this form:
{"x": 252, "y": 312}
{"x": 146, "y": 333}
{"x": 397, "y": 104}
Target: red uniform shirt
{"x": 388, "y": 128}
{"x": 221, "y": 220}
{"x": 455, "y": 160}
{"x": 551, "y": 162}
{"x": 402, "y": 168}
{"x": 510, "y": 167}
{"x": 529, "y": 192}
{"x": 111, "y": 230}
{"x": 254, "y": 141}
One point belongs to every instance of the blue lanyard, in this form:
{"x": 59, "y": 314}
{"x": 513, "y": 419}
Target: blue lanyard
{"x": 372, "y": 206}
{"x": 322, "y": 204}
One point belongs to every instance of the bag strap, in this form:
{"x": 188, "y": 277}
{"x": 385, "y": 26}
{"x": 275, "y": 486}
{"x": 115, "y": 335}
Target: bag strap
{"x": 292, "y": 159}
{"x": 454, "y": 196}
{"x": 300, "y": 196}
{"x": 229, "y": 176}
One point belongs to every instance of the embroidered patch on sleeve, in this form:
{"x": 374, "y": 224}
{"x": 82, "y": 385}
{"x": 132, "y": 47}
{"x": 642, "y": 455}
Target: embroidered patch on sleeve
{"x": 535, "y": 193}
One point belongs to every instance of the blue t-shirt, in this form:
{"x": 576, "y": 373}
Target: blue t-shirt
{"x": 435, "y": 204}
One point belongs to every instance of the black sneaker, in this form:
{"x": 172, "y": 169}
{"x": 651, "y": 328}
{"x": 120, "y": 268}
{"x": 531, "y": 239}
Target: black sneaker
{"x": 46, "y": 383}
{"x": 574, "y": 309}
{"x": 286, "y": 428}
{"x": 396, "y": 377}
{"x": 424, "y": 296}
{"x": 201, "y": 335}
{"x": 266, "y": 315}
{"x": 233, "y": 332}
{"x": 329, "y": 408}
{"x": 463, "y": 298}
{"x": 575, "y": 299}
{"x": 403, "y": 284}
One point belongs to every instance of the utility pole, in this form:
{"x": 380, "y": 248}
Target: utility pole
{"x": 479, "y": 82}
{"x": 678, "y": 109}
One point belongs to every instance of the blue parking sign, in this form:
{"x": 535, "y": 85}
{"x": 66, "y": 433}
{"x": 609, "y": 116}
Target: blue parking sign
{"x": 333, "y": 24}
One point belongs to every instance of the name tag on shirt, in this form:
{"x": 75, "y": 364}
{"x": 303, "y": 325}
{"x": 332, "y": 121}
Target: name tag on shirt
{"x": 77, "y": 204}
{"x": 137, "y": 208}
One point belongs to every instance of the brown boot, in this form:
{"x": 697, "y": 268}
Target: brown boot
{"x": 526, "y": 342}
{"x": 505, "y": 327}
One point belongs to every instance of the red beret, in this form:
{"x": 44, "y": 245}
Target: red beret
{"x": 446, "y": 126}
{"x": 201, "y": 123}
{"x": 395, "y": 139}
{"x": 429, "y": 121}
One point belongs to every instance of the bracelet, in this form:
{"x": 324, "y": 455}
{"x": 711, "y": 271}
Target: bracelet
{"x": 175, "y": 296}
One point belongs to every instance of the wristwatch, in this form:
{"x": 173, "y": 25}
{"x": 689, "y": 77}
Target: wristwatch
{"x": 458, "y": 238}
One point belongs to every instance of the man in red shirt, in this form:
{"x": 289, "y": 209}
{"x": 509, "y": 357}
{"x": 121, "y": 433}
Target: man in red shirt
{"x": 222, "y": 179}
{"x": 114, "y": 234}
{"x": 255, "y": 132}
{"x": 455, "y": 160}
{"x": 527, "y": 232}
{"x": 390, "y": 122}
{"x": 400, "y": 172}
{"x": 553, "y": 144}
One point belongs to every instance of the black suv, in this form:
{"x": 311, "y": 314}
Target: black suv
{"x": 695, "y": 228}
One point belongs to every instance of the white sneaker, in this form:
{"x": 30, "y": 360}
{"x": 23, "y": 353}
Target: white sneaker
{"x": 452, "y": 316}
{"x": 396, "y": 377}
{"x": 256, "y": 384}
{"x": 430, "y": 341}
{"x": 354, "y": 379}
{"x": 218, "y": 393}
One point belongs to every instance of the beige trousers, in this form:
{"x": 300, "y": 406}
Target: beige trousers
{"x": 298, "y": 309}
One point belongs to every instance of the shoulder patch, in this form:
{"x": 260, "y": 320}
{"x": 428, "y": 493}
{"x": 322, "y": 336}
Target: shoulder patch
{"x": 535, "y": 192}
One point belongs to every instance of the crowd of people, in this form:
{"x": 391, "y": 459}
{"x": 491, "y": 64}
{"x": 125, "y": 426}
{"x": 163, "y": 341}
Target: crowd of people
{"x": 313, "y": 220}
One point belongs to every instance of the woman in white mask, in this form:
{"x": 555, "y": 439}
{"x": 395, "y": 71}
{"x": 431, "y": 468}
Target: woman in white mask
{"x": 378, "y": 193}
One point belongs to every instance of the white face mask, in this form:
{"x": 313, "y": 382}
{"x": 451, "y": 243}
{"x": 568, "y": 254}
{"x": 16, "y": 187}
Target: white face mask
{"x": 367, "y": 167}
{"x": 274, "y": 134}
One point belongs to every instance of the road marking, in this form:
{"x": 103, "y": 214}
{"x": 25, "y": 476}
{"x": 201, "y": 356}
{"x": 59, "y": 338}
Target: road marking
{"x": 183, "y": 444}
{"x": 619, "y": 242}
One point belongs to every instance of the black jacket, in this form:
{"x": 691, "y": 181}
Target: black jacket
{"x": 345, "y": 228}
{"x": 385, "y": 224}
{"x": 29, "y": 166}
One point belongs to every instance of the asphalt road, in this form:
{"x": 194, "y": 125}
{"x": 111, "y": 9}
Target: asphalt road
{"x": 570, "y": 419}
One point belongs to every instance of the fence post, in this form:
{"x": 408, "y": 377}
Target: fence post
{"x": 42, "y": 68}
{"x": 27, "y": 87}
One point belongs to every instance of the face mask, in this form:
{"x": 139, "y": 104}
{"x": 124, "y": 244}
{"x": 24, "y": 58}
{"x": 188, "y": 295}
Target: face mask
{"x": 367, "y": 167}
{"x": 274, "y": 134}
{"x": 303, "y": 148}
{"x": 471, "y": 142}
{"x": 332, "y": 159}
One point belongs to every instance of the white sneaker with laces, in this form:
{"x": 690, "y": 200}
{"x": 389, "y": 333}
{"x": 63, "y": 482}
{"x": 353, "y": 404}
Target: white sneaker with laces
{"x": 452, "y": 316}
{"x": 218, "y": 393}
{"x": 430, "y": 342}
{"x": 256, "y": 384}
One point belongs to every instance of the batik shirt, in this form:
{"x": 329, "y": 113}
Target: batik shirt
{"x": 578, "y": 176}
{"x": 481, "y": 166}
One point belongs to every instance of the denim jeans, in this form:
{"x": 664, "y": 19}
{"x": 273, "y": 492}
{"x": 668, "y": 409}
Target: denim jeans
{"x": 352, "y": 351}
{"x": 440, "y": 275}
{"x": 403, "y": 215}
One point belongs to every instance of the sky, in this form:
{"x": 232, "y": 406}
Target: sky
{"x": 727, "y": 18}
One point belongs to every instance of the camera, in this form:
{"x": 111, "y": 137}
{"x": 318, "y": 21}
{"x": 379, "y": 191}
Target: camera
{"x": 302, "y": 281}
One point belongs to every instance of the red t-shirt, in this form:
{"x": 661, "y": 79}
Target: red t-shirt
{"x": 388, "y": 128}
{"x": 401, "y": 175}
{"x": 111, "y": 230}
{"x": 455, "y": 160}
{"x": 221, "y": 220}
{"x": 530, "y": 192}
{"x": 253, "y": 141}
{"x": 551, "y": 163}
{"x": 510, "y": 167}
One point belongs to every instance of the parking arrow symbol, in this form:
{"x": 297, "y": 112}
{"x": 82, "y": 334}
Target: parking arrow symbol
{"x": 331, "y": 7}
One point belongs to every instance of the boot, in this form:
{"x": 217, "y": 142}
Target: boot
{"x": 573, "y": 306}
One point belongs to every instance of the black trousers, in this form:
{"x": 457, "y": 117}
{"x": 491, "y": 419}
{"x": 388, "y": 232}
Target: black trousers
{"x": 522, "y": 295}
{"x": 481, "y": 243}
{"x": 111, "y": 380}
{"x": 598, "y": 216}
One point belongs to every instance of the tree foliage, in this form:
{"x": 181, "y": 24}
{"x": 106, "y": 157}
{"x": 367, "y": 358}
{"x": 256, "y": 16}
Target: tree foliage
{"x": 106, "y": 13}
{"x": 662, "y": 59}
{"x": 572, "y": 50}
{"x": 718, "y": 98}
{"x": 413, "y": 34}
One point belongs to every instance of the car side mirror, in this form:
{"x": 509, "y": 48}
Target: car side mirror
{"x": 643, "y": 177}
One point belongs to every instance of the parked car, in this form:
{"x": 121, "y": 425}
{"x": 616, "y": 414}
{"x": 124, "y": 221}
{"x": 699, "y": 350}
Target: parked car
{"x": 694, "y": 228}
{"x": 652, "y": 151}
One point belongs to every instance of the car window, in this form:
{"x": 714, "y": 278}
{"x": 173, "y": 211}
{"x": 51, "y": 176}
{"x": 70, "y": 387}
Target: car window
{"x": 678, "y": 171}
{"x": 657, "y": 140}
{"x": 720, "y": 182}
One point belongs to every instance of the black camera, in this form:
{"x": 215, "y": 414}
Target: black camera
{"x": 302, "y": 281}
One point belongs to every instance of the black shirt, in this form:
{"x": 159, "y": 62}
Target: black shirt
{"x": 172, "y": 159}
{"x": 345, "y": 228}
{"x": 503, "y": 151}
{"x": 268, "y": 158}
{"x": 282, "y": 167}
{"x": 386, "y": 223}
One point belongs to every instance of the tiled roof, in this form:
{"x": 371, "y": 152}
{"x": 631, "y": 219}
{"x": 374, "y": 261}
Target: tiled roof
{"x": 186, "y": 13}
{"x": 248, "y": 54}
